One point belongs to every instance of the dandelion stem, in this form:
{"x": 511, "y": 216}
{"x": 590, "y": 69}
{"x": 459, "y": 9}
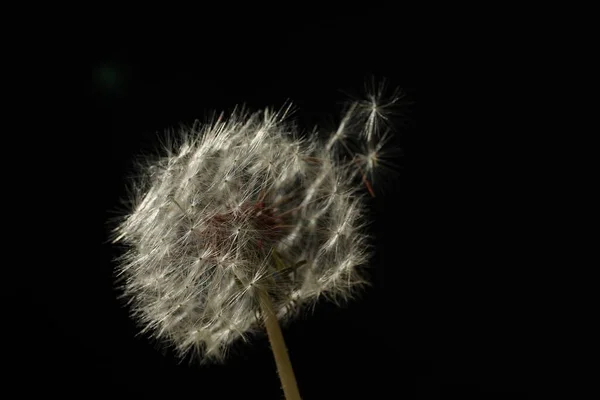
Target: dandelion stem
{"x": 282, "y": 359}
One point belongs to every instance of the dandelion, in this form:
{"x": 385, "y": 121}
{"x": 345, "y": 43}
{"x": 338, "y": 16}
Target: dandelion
{"x": 244, "y": 221}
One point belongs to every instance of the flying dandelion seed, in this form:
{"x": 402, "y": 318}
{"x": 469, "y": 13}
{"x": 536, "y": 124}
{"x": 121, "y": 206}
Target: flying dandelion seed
{"x": 245, "y": 210}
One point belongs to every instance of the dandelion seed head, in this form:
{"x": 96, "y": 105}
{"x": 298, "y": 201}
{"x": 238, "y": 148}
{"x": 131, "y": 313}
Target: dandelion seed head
{"x": 243, "y": 204}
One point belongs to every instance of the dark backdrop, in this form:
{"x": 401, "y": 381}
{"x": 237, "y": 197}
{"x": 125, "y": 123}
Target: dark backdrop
{"x": 399, "y": 339}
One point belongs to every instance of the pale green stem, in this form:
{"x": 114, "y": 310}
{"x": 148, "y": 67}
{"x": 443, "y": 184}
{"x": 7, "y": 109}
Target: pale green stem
{"x": 282, "y": 359}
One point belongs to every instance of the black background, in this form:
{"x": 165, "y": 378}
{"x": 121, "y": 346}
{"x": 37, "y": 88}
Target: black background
{"x": 421, "y": 330}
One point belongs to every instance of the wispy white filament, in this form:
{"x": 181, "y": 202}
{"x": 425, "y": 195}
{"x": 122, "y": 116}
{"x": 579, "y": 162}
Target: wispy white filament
{"x": 240, "y": 205}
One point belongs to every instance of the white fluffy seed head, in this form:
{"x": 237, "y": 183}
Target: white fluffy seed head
{"x": 240, "y": 205}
